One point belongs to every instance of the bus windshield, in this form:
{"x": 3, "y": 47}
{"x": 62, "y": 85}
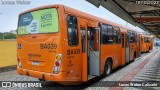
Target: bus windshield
{"x": 38, "y": 22}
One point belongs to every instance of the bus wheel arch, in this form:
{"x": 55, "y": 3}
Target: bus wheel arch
{"x": 108, "y": 66}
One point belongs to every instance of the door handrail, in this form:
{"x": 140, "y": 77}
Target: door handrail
{"x": 94, "y": 52}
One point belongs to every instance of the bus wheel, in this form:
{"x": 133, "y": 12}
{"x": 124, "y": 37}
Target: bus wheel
{"x": 107, "y": 68}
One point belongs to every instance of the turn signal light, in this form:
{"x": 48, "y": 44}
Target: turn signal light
{"x": 19, "y": 63}
{"x": 58, "y": 57}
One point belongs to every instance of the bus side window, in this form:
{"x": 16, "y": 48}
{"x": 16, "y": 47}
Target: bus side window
{"x": 110, "y": 34}
{"x": 119, "y": 36}
{"x": 148, "y": 40}
{"x": 116, "y": 35}
{"x": 131, "y": 36}
{"x": 72, "y": 30}
{"x": 145, "y": 39}
{"x": 136, "y": 37}
{"x": 107, "y": 34}
{"x": 104, "y": 33}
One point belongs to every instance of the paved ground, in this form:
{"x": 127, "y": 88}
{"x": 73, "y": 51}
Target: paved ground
{"x": 146, "y": 68}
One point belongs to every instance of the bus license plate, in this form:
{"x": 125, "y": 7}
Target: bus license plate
{"x": 36, "y": 63}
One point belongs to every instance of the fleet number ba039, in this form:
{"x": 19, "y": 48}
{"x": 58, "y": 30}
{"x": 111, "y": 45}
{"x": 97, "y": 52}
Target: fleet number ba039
{"x": 48, "y": 46}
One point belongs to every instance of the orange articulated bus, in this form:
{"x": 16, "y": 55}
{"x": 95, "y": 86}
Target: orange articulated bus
{"x": 58, "y": 43}
{"x": 147, "y": 43}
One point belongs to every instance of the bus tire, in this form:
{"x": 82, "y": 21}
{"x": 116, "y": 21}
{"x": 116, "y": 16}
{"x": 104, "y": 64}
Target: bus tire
{"x": 107, "y": 68}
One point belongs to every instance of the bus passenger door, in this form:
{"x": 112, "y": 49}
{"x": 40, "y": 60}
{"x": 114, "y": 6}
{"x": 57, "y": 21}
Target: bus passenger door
{"x": 139, "y": 43}
{"x": 127, "y": 48}
{"x": 84, "y": 45}
{"x": 93, "y": 51}
{"x": 123, "y": 50}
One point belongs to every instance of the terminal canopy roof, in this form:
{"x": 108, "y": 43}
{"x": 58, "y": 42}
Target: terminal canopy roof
{"x": 144, "y": 14}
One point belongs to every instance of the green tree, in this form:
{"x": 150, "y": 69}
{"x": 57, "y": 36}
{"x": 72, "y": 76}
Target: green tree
{"x": 1, "y": 36}
{"x": 9, "y": 36}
